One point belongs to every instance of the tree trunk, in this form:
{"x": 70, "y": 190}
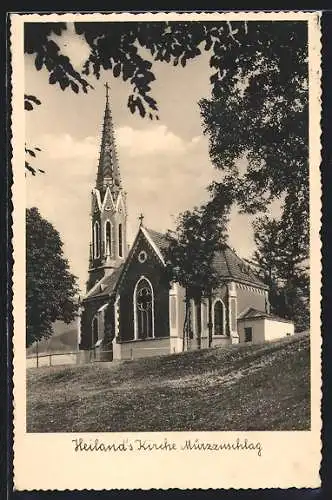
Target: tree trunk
{"x": 199, "y": 325}
{"x": 198, "y": 312}
{"x": 186, "y": 324}
{"x": 37, "y": 354}
{"x": 210, "y": 324}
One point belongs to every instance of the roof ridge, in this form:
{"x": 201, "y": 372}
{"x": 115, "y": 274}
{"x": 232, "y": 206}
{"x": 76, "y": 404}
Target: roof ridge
{"x": 152, "y": 243}
{"x": 226, "y": 260}
{"x": 154, "y": 231}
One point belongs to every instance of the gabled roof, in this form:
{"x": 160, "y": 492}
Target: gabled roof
{"x": 252, "y": 313}
{"x": 157, "y": 241}
{"x": 158, "y": 238}
{"x": 229, "y": 265}
{"x": 106, "y": 286}
{"x": 226, "y": 262}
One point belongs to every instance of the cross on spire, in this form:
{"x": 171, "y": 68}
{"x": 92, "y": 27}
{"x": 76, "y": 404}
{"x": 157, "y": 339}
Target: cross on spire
{"x": 141, "y": 218}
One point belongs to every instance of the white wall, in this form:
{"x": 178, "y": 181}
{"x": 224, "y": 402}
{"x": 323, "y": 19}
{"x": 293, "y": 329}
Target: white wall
{"x": 265, "y": 329}
{"x": 175, "y": 344}
{"x": 221, "y": 340}
{"x": 277, "y": 329}
{"x": 141, "y": 348}
{"x": 258, "y": 328}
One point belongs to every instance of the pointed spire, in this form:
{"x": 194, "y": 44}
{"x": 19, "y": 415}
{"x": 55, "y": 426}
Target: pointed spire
{"x": 108, "y": 167}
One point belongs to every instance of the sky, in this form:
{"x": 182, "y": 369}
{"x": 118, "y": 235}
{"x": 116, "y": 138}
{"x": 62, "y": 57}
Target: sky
{"x": 164, "y": 165}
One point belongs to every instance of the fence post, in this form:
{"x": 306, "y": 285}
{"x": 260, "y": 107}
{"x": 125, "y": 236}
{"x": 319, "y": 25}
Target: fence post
{"x": 37, "y": 359}
{"x": 131, "y": 353}
{"x": 50, "y": 359}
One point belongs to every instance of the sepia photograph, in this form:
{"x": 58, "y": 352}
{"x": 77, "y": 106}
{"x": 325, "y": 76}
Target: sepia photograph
{"x": 168, "y": 191}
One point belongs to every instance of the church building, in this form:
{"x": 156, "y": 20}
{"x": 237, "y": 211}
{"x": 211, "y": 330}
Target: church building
{"x": 131, "y": 311}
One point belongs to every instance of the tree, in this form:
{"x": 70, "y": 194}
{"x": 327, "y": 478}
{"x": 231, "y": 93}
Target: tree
{"x": 282, "y": 260}
{"x": 51, "y": 289}
{"x": 259, "y": 112}
{"x": 189, "y": 257}
{"x": 252, "y": 81}
{"x": 257, "y": 123}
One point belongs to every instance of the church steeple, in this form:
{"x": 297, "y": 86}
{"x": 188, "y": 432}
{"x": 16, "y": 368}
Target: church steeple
{"x": 108, "y": 167}
{"x": 108, "y": 248}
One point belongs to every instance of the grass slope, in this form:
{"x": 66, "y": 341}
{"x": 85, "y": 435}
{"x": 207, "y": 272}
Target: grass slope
{"x": 261, "y": 387}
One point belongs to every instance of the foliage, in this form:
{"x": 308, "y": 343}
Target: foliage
{"x": 282, "y": 258}
{"x": 50, "y": 287}
{"x": 259, "y": 85}
{"x": 192, "y": 247}
{"x": 257, "y": 123}
{"x": 258, "y": 113}
{"x": 115, "y": 46}
{"x": 191, "y": 250}
{"x": 29, "y": 101}
{"x": 199, "y": 234}
{"x": 32, "y": 153}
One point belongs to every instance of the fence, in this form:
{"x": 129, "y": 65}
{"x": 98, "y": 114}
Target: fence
{"x": 90, "y": 356}
{"x": 68, "y": 358}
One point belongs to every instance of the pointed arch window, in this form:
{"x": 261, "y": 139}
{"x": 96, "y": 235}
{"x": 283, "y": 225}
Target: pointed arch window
{"x": 143, "y": 309}
{"x": 108, "y": 237}
{"x": 120, "y": 241}
{"x": 96, "y": 240}
{"x": 218, "y": 318}
{"x": 94, "y": 330}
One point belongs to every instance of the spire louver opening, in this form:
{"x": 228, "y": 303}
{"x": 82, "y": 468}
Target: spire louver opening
{"x": 108, "y": 167}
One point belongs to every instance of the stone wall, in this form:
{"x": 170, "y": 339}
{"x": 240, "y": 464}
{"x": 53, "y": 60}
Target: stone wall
{"x": 141, "y": 348}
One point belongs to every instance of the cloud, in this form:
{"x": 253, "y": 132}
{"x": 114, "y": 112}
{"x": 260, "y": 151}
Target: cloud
{"x": 65, "y": 147}
{"x": 131, "y": 142}
{"x": 153, "y": 140}
{"x": 162, "y": 173}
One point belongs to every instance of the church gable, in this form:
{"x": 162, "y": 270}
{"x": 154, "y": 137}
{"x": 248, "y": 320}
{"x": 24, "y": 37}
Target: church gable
{"x": 143, "y": 265}
{"x": 143, "y": 259}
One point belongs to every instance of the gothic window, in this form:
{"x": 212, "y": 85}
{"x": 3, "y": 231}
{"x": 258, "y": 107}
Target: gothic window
{"x": 120, "y": 241}
{"x": 94, "y": 330}
{"x": 96, "y": 240}
{"x": 218, "y": 318}
{"x": 144, "y": 309}
{"x": 108, "y": 236}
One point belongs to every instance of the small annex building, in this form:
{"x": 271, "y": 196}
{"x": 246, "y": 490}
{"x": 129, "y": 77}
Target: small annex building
{"x": 130, "y": 310}
{"x": 257, "y": 326}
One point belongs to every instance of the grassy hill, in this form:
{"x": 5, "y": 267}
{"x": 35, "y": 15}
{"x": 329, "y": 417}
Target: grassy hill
{"x": 261, "y": 387}
{"x": 63, "y": 339}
